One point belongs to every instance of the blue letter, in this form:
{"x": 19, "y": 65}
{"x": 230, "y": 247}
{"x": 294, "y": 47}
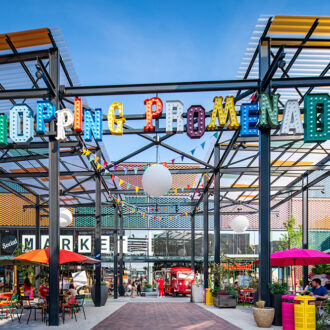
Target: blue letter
{"x": 249, "y": 123}
{"x": 92, "y": 125}
{"x": 45, "y": 114}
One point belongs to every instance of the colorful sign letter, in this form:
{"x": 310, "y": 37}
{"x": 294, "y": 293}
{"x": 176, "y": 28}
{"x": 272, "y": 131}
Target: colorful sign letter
{"x": 249, "y": 119}
{"x": 174, "y": 112}
{"x": 268, "y": 111}
{"x": 45, "y": 114}
{"x": 78, "y": 114}
{"x": 64, "y": 120}
{"x": 150, "y": 115}
{"x": 93, "y": 125}
{"x": 291, "y": 121}
{"x": 191, "y": 113}
{"x": 3, "y": 129}
{"x": 317, "y": 117}
{"x": 21, "y": 123}
{"x": 112, "y": 120}
{"x": 223, "y": 114}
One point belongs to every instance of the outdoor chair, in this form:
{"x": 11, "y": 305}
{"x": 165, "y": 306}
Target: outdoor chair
{"x": 10, "y": 307}
{"x": 79, "y": 303}
{"x": 248, "y": 296}
{"x": 26, "y": 305}
{"x": 70, "y": 307}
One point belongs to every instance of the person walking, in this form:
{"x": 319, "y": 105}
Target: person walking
{"x": 133, "y": 289}
{"x": 161, "y": 287}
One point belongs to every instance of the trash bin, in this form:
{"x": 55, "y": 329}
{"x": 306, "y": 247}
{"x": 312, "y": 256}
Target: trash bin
{"x": 304, "y": 313}
{"x": 288, "y": 311}
{"x": 197, "y": 293}
{"x": 208, "y": 297}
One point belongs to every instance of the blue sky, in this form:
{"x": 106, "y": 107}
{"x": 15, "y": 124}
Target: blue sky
{"x": 119, "y": 42}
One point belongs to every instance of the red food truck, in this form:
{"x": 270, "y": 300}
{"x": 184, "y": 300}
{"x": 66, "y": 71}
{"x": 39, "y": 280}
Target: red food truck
{"x": 178, "y": 280}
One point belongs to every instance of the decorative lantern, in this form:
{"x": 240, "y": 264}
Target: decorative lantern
{"x": 157, "y": 180}
{"x": 239, "y": 224}
{"x": 65, "y": 217}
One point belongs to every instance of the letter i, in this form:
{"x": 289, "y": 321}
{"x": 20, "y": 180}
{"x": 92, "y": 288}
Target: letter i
{"x": 77, "y": 114}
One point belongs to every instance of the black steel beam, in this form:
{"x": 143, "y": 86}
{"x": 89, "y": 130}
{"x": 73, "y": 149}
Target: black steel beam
{"x": 264, "y": 185}
{"x": 205, "y": 238}
{"x": 192, "y": 242}
{"x": 115, "y": 253}
{"x": 25, "y": 56}
{"x": 217, "y": 224}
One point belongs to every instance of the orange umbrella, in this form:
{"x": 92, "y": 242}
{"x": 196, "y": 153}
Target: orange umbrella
{"x": 42, "y": 256}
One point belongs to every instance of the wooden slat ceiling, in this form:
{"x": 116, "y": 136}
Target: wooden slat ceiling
{"x": 29, "y": 38}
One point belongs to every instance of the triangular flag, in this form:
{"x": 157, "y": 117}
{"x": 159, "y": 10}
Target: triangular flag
{"x": 133, "y": 211}
{"x": 165, "y": 208}
{"x": 194, "y": 183}
{"x": 203, "y": 145}
{"x": 196, "y": 191}
{"x": 98, "y": 166}
{"x": 96, "y": 159}
{"x": 87, "y": 153}
{"x": 105, "y": 164}
{"x": 113, "y": 177}
{"x": 192, "y": 151}
{"x": 145, "y": 168}
{"x": 175, "y": 191}
{"x": 186, "y": 213}
{"x": 120, "y": 182}
{"x": 135, "y": 170}
{"x": 125, "y": 170}
{"x": 188, "y": 186}
{"x": 143, "y": 215}
{"x": 106, "y": 172}
{"x": 182, "y": 189}
{"x": 216, "y": 134}
{"x": 137, "y": 189}
{"x": 128, "y": 186}
{"x": 165, "y": 164}
{"x": 154, "y": 217}
{"x": 200, "y": 179}
{"x": 83, "y": 151}
{"x": 173, "y": 160}
{"x": 181, "y": 215}
{"x": 127, "y": 208}
{"x": 182, "y": 157}
{"x": 171, "y": 218}
{"x": 115, "y": 167}
{"x": 91, "y": 158}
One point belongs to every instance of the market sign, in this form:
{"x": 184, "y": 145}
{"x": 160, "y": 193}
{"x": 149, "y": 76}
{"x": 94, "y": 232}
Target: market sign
{"x": 84, "y": 243}
{"x": 9, "y": 244}
{"x": 253, "y": 117}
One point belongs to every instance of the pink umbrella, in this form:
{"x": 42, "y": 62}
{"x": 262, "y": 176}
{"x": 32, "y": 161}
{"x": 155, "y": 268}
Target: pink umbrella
{"x": 299, "y": 257}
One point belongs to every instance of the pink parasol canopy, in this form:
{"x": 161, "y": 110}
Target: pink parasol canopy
{"x": 298, "y": 257}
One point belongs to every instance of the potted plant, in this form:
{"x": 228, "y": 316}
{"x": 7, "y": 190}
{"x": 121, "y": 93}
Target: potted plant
{"x": 277, "y": 290}
{"x": 263, "y": 316}
{"x": 224, "y": 298}
{"x": 104, "y": 293}
{"x": 147, "y": 287}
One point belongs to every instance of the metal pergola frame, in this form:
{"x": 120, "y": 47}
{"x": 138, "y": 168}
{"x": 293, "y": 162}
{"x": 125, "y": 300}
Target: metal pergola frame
{"x": 269, "y": 63}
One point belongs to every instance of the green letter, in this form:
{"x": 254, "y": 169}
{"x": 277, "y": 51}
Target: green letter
{"x": 268, "y": 110}
{"x": 3, "y": 129}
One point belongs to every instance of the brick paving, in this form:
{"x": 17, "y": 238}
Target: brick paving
{"x": 163, "y": 315}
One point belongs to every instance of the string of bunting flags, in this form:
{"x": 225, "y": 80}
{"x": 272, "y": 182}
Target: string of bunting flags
{"x": 106, "y": 167}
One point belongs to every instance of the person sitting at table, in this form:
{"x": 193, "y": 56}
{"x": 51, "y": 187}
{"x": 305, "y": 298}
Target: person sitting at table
{"x": 308, "y": 288}
{"x": 27, "y": 286}
{"x": 72, "y": 292}
{"x": 43, "y": 292}
{"x": 319, "y": 291}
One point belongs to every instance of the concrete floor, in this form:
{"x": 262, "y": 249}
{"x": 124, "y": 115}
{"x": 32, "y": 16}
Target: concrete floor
{"x": 241, "y": 317}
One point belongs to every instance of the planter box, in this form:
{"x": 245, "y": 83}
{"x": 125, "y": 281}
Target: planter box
{"x": 147, "y": 289}
{"x": 225, "y": 301}
{"x": 276, "y": 302}
{"x": 104, "y": 294}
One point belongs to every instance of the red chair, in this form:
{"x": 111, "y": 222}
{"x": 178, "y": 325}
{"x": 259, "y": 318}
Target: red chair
{"x": 248, "y": 296}
{"x": 241, "y": 296}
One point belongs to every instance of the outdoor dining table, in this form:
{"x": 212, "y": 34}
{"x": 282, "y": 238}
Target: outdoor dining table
{"x": 31, "y": 304}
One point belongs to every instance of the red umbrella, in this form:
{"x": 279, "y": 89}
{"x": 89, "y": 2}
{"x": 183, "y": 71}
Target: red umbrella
{"x": 65, "y": 256}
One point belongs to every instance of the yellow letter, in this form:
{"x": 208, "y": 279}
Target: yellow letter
{"x": 112, "y": 120}
{"x": 223, "y": 114}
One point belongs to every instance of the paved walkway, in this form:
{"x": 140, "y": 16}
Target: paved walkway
{"x": 163, "y": 315}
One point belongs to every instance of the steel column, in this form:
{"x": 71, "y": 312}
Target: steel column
{"x": 305, "y": 224}
{"x": 54, "y": 232}
{"x": 264, "y": 186}
{"x": 37, "y": 268}
{"x": 217, "y": 206}
{"x": 121, "y": 260}
{"x": 206, "y": 237}
{"x": 97, "y": 241}
{"x": 192, "y": 241}
{"x": 115, "y": 253}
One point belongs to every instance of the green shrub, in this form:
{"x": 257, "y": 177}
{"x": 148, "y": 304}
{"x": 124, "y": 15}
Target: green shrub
{"x": 278, "y": 287}
{"x": 148, "y": 286}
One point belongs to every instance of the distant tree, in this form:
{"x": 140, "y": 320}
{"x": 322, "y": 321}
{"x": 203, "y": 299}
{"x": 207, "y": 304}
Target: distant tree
{"x": 293, "y": 236}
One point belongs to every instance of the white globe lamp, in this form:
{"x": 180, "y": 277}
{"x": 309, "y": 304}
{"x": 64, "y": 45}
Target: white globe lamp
{"x": 65, "y": 217}
{"x": 157, "y": 180}
{"x": 239, "y": 224}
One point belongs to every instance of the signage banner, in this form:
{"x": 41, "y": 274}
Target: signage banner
{"x": 79, "y": 279}
{"x": 9, "y": 244}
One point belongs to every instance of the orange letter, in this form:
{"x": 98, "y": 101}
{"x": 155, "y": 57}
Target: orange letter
{"x": 77, "y": 115}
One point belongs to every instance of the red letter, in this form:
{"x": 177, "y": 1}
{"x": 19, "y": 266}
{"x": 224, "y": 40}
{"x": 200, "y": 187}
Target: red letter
{"x": 77, "y": 115}
{"x": 152, "y": 114}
